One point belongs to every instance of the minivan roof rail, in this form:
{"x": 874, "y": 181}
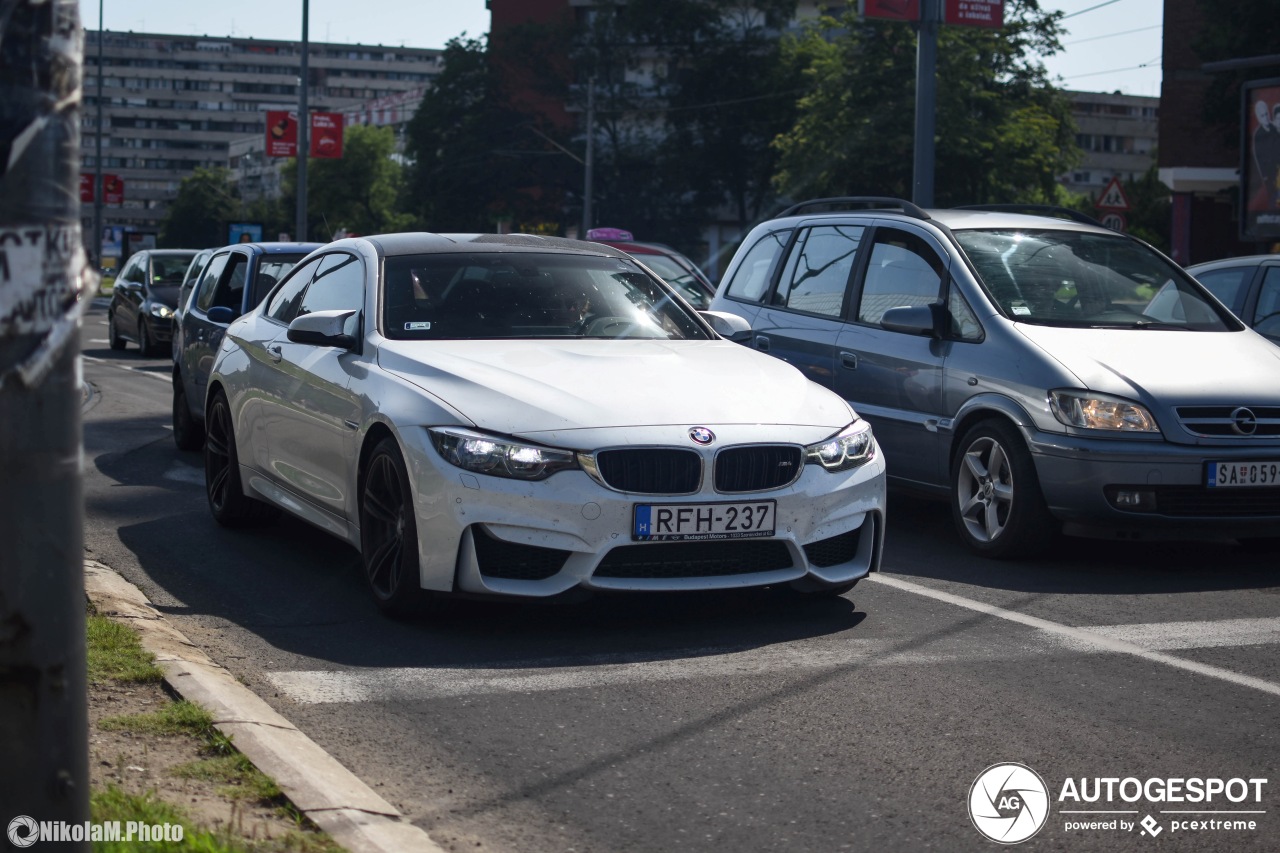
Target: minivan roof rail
{"x": 857, "y": 202}
{"x": 1050, "y": 210}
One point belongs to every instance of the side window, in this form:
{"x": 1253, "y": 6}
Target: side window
{"x": 817, "y": 272}
{"x": 284, "y": 304}
{"x": 130, "y": 271}
{"x": 1226, "y": 284}
{"x": 230, "y": 290}
{"x": 964, "y": 323}
{"x": 1268, "y": 296}
{"x": 339, "y": 285}
{"x": 751, "y": 279}
{"x": 204, "y": 297}
{"x": 903, "y": 270}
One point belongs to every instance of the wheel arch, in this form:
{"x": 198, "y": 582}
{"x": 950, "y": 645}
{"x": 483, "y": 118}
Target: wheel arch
{"x": 983, "y": 408}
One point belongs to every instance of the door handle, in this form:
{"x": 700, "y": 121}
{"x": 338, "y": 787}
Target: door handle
{"x": 762, "y": 343}
{"x": 275, "y": 353}
{"x": 849, "y": 360}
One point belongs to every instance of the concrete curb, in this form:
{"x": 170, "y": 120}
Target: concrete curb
{"x": 329, "y": 794}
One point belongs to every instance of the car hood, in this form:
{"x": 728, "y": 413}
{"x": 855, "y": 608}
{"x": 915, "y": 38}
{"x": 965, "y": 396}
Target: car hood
{"x": 1169, "y": 366}
{"x": 528, "y": 386}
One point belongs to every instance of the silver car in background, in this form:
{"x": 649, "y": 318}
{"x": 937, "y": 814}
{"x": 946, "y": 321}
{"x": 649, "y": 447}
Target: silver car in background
{"x": 521, "y": 416}
{"x": 1039, "y": 373}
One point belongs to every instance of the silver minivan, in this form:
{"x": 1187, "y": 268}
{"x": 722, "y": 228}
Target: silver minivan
{"x": 1040, "y": 373}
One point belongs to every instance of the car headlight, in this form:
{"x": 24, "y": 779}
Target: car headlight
{"x": 164, "y": 312}
{"x": 1087, "y": 410}
{"x": 499, "y": 457}
{"x": 849, "y": 448}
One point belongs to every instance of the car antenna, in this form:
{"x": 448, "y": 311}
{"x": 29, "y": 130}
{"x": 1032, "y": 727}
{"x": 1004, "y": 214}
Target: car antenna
{"x": 326, "y": 225}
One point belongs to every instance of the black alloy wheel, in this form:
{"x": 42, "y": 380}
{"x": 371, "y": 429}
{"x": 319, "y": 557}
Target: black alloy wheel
{"x": 227, "y": 500}
{"x": 389, "y": 533}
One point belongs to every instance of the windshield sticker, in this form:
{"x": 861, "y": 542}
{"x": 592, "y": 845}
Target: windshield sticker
{"x": 1020, "y": 309}
{"x": 416, "y": 327}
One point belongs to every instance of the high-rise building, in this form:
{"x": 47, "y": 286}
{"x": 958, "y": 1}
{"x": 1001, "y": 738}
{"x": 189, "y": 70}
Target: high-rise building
{"x": 1117, "y": 134}
{"x": 173, "y": 103}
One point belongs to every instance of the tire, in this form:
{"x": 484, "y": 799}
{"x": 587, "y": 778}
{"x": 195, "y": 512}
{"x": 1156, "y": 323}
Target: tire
{"x": 113, "y": 337}
{"x": 230, "y": 506}
{"x": 389, "y": 534}
{"x": 146, "y": 347}
{"x": 188, "y": 433}
{"x": 996, "y": 501}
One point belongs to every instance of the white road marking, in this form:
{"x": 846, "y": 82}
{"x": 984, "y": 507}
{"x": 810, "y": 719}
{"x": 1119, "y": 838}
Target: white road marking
{"x": 99, "y": 341}
{"x": 163, "y": 377}
{"x": 1084, "y": 638}
{"x": 1195, "y": 635}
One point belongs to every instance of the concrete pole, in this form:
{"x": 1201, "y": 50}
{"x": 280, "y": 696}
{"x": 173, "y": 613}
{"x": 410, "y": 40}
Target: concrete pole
{"x": 588, "y": 178}
{"x": 926, "y": 101}
{"x": 304, "y": 133}
{"x": 97, "y": 172}
{"x": 44, "y": 773}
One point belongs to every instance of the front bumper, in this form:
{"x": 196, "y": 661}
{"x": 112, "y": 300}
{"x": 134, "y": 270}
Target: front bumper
{"x": 1081, "y": 479}
{"x": 483, "y": 534}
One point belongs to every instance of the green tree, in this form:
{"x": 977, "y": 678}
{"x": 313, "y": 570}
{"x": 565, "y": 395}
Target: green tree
{"x": 357, "y": 192}
{"x": 1004, "y": 133}
{"x": 198, "y": 217}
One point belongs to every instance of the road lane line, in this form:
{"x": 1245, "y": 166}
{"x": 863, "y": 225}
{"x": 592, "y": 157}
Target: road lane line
{"x": 163, "y": 377}
{"x": 1080, "y": 636}
{"x": 1205, "y": 634}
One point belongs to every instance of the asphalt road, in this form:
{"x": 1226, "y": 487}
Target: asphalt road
{"x": 747, "y": 722}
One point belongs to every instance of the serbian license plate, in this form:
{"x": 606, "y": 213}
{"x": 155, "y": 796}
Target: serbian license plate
{"x": 1232, "y": 475}
{"x": 665, "y": 522}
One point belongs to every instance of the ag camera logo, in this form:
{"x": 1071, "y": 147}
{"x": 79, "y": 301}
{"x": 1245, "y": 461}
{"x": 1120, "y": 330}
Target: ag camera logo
{"x": 23, "y": 831}
{"x": 1008, "y": 803}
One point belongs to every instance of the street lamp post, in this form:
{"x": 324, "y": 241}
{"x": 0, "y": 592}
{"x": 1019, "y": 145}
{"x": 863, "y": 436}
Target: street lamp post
{"x": 97, "y": 158}
{"x": 304, "y": 127}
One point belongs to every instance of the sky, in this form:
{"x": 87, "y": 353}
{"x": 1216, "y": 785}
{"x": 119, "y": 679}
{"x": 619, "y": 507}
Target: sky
{"x": 1110, "y": 45}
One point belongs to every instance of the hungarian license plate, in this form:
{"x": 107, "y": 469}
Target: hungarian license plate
{"x": 1231, "y": 475}
{"x": 665, "y": 522}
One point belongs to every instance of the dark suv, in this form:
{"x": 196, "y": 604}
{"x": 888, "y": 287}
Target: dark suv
{"x": 1040, "y": 373}
{"x": 144, "y": 298}
{"x": 235, "y": 279}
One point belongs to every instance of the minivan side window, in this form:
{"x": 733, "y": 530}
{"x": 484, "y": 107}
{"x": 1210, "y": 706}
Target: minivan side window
{"x": 1226, "y": 284}
{"x": 751, "y": 279}
{"x": 903, "y": 270}
{"x": 230, "y": 290}
{"x": 1268, "y": 296}
{"x": 817, "y": 272}
{"x": 204, "y": 297}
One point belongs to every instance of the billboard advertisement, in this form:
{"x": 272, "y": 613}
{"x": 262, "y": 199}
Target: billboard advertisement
{"x": 282, "y": 133}
{"x": 892, "y": 10}
{"x": 112, "y": 189}
{"x": 326, "y": 135}
{"x": 1260, "y": 166}
{"x": 975, "y": 13}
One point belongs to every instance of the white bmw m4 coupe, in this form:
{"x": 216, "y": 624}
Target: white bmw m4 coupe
{"x": 519, "y": 416}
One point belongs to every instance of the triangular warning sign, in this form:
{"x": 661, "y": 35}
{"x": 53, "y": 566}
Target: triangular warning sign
{"x": 1113, "y": 197}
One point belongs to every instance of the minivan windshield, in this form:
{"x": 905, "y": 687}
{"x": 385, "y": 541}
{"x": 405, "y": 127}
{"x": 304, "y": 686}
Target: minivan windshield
{"x": 1088, "y": 280}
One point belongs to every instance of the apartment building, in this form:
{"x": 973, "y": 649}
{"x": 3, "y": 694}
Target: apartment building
{"x": 173, "y": 103}
{"x": 1117, "y": 134}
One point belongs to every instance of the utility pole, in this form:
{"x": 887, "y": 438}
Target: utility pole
{"x": 588, "y": 166}
{"x": 304, "y": 134}
{"x": 44, "y": 772}
{"x": 926, "y": 102}
{"x": 97, "y": 159}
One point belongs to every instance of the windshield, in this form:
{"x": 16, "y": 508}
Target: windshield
{"x": 1087, "y": 280}
{"x": 510, "y": 295}
{"x": 683, "y": 280}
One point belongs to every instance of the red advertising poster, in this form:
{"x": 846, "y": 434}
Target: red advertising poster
{"x": 975, "y": 13}
{"x": 326, "y": 135}
{"x": 112, "y": 189}
{"x": 1260, "y": 171}
{"x": 892, "y": 10}
{"x": 86, "y": 188}
{"x": 282, "y": 133}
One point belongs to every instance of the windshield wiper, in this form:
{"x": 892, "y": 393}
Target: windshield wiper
{"x": 1158, "y": 325}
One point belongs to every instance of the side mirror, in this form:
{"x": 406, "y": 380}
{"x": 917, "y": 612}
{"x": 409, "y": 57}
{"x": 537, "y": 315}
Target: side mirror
{"x": 222, "y": 315}
{"x": 923, "y": 320}
{"x": 323, "y": 328}
{"x": 728, "y": 326}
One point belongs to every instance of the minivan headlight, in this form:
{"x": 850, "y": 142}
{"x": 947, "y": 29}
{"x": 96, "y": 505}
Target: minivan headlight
{"x": 499, "y": 457}
{"x": 849, "y": 448}
{"x": 1088, "y": 410}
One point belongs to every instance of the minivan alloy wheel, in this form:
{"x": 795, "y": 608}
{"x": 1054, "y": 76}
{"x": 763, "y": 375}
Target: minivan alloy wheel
{"x": 985, "y": 489}
{"x": 996, "y": 500}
